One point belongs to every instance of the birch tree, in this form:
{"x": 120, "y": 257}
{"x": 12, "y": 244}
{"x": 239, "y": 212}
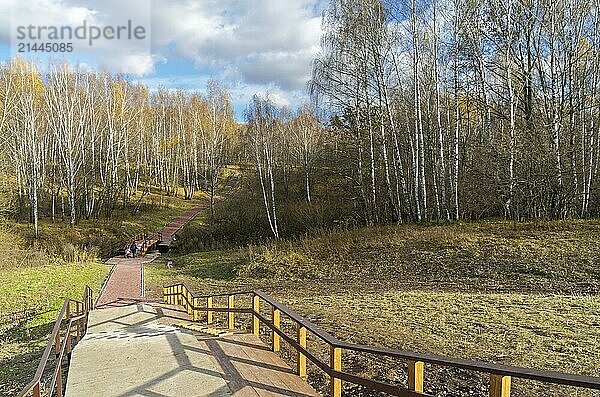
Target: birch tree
{"x": 262, "y": 126}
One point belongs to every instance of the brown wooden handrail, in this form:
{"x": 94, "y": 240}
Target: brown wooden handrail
{"x": 76, "y": 319}
{"x": 500, "y": 375}
{"x": 145, "y": 240}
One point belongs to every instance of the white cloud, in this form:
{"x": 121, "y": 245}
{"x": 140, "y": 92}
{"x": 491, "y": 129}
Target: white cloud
{"x": 255, "y": 46}
{"x": 130, "y": 56}
{"x": 135, "y": 64}
{"x": 269, "y": 41}
{"x": 290, "y": 69}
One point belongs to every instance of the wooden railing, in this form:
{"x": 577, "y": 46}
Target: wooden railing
{"x": 146, "y": 241}
{"x": 500, "y": 375}
{"x": 69, "y": 328}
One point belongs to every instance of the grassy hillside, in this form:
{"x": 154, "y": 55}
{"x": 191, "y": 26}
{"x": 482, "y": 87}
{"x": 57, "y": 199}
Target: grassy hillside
{"x": 532, "y": 257}
{"x": 36, "y": 276}
{"x": 514, "y": 293}
{"x": 241, "y": 219}
{"x": 102, "y": 237}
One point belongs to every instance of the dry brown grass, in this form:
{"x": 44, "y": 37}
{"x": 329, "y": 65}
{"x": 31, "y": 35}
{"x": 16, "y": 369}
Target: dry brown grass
{"x": 497, "y": 256}
{"x": 535, "y": 331}
{"x": 512, "y": 293}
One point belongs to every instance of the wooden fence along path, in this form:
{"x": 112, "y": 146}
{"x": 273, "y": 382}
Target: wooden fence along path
{"x": 500, "y": 376}
{"x": 174, "y": 348}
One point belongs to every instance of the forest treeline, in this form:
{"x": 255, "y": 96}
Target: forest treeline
{"x": 435, "y": 110}
{"x": 465, "y": 108}
{"x": 81, "y": 144}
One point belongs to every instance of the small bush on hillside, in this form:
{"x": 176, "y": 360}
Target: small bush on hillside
{"x": 241, "y": 219}
{"x": 72, "y": 253}
{"x": 15, "y": 252}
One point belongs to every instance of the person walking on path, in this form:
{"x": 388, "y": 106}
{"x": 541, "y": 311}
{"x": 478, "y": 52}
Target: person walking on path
{"x": 133, "y": 248}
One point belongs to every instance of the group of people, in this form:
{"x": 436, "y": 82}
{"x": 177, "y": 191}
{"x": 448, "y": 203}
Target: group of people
{"x": 131, "y": 250}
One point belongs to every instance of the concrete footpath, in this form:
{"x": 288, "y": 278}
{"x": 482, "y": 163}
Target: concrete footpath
{"x": 133, "y": 351}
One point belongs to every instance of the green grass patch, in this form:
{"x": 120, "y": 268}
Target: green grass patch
{"x": 30, "y": 299}
{"x": 211, "y": 268}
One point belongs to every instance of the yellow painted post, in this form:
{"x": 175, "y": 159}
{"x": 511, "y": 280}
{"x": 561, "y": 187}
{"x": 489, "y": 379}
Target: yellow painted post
{"x": 189, "y": 301}
{"x": 416, "y": 375}
{"x": 301, "y": 358}
{"x": 230, "y": 315}
{"x": 335, "y": 363}
{"x": 255, "y": 320}
{"x": 195, "y": 309}
{"x": 277, "y": 324}
{"x": 499, "y": 386}
{"x": 209, "y": 314}
{"x": 165, "y": 291}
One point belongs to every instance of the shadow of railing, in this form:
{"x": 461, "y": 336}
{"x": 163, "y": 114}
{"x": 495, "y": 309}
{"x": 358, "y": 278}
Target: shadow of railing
{"x": 500, "y": 376}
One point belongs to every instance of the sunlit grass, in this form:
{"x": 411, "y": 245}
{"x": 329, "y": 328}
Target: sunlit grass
{"x": 30, "y": 299}
{"x": 524, "y": 294}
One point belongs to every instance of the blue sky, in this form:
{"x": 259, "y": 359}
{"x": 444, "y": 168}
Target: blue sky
{"x": 250, "y": 46}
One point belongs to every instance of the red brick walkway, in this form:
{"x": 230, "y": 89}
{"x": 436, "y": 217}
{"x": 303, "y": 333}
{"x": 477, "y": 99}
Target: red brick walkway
{"x": 125, "y": 283}
{"x": 180, "y": 221}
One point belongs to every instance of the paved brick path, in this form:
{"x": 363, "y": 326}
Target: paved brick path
{"x": 124, "y": 285}
{"x": 125, "y": 282}
{"x": 178, "y": 222}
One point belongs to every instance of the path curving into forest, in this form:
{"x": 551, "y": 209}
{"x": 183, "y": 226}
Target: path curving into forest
{"x": 125, "y": 283}
{"x": 177, "y": 223}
